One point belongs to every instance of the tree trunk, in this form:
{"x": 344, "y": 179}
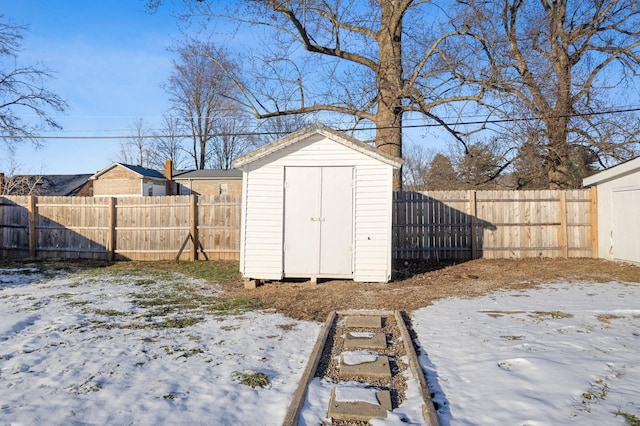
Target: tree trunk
{"x": 203, "y": 152}
{"x": 558, "y": 123}
{"x": 390, "y": 84}
{"x": 558, "y": 167}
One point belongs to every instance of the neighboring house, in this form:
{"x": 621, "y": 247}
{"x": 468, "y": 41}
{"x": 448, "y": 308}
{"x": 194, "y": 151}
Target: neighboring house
{"x": 122, "y": 180}
{"x": 618, "y": 190}
{"x": 47, "y": 185}
{"x": 208, "y": 182}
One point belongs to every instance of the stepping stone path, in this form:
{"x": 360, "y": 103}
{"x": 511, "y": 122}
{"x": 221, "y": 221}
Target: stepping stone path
{"x": 363, "y": 354}
{"x": 362, "y": 360}
{"x": 365, "y": 340}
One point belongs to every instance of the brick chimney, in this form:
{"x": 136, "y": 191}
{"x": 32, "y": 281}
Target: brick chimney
{"x": 168, "y": 175}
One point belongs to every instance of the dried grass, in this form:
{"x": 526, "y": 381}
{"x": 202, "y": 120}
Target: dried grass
{"x": 421, "y": 284}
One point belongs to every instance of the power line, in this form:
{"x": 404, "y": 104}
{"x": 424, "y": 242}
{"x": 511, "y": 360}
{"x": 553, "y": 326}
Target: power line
{"x": 359, "y": 129}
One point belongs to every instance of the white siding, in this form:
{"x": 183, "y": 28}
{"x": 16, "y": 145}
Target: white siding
{"x": 625, "y": 225}
{"x": 262, "y": 251}
{"x": 611, "y": 208}
{"x": 373, "y": 223}
{"x": 261, "y": 248}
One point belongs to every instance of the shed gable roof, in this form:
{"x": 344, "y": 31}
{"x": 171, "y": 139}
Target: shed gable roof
{"x": 622, "y": 169}
{"x": 305, "y": 133}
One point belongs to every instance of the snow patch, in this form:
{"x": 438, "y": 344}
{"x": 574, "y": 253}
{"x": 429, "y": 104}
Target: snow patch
{"x": 68, "y": 356}
{"x": 362, "y": 334}
{"x": 344, "y": 393}
{"x": 568, "y": 370}
{"x": 358, "y": 357}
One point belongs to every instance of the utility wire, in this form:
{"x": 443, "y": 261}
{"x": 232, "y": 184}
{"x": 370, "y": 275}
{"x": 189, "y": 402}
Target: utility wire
{"x": 369, "y": 128}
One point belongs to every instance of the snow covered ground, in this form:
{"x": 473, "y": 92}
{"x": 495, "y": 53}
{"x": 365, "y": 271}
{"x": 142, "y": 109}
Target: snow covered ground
{"x": 77, "y": 350}
{"x": 100, "y": 348}
{"x": 563, "y": 354}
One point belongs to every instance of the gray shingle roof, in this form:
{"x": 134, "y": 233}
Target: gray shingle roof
{"x": 66, "y": 185}
{"x": 208, "y": 174}
{"x": 144, "y": 171}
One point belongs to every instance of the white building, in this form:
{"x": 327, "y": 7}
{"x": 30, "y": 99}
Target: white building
{"x": 316, "y": 204}
{"x": 618, "y": 190}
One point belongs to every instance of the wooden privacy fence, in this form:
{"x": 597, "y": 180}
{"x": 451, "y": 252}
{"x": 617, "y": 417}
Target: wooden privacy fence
{"x": 460, "y": 225}
{"x": 439, "y": 225}
{"x": 126, "y": 228}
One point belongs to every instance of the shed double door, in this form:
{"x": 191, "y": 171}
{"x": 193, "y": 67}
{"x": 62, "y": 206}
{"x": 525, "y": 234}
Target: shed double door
{"x": 318, "y": 222}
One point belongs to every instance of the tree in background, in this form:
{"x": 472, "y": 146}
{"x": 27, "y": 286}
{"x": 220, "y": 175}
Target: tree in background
{"x": 417, "y": 162}
{"x": 14, "y": 183}
{"x": 561, "y": 63}
{"x": 23, "y": 90}
{"x": 200, "y": 92}
{"x": 20, "y": 184}
{"x": 482, "y": 165}
{"x": 138, "y": 150}
{"x": 370, "y": 61}
{"x": 441, "y": 175}
{"x": 168, "y": 143}
{"x": 274, "y": 128}
{"x": 232, "y": 140}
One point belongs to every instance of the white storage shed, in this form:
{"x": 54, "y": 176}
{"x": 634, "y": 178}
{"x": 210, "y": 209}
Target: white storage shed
{"x": 316, "y": 204}
{"x": 618, "y": 193}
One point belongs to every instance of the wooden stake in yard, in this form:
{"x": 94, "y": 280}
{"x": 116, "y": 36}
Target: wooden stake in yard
{"x": 33, "y": 240}
{"x": 193, "y": 225}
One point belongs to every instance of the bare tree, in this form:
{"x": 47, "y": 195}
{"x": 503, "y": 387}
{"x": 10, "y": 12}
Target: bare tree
{"x": 18, "y": 184}
{"x": 276, "y": 127}
{"x": 372, "y": 61}
{"x": 481, "y": 166}
{"x": 417, "y": 161}
{"x": 199, "y": 88}
{"x": 168, "y": 143}
{"x": 138, "y": 150}
{"x": 232, "y": 138}
{"x": 559, "y": 62}
{"x": 23, "y": 90}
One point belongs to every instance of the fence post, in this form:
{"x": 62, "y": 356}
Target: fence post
{"x": 473, "y": 214}
{"x": 594, "y": 221}
{"x": 111, "y": 232}
{"x": 564, "y": 245}
{"x": 33, "y": 240}
{"x": 193, "y": 225}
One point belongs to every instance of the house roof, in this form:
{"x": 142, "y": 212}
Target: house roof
{"x": 208, "y": 174}
{"x": 141, "y": 171}
{"x": 622, "y": 169}
{"x": 53, "y": 185}
{"x": 323, "y": 130}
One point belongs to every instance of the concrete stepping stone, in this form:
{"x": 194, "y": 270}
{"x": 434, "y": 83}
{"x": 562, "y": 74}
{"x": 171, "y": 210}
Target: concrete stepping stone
{"x": 350, "y": 403}
{"x": 363, "y": 321}
{"x": 365, "y": 340}
{"x": 364, "y": 364}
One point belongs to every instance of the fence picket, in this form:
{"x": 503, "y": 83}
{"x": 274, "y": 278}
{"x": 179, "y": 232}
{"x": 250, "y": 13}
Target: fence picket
{"x": 493, "y": 224}
{"x": 436, "y": 225}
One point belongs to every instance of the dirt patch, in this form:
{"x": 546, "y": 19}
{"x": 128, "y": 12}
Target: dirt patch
{"x": 418, "y": 285}
{"x": 415, "y": 284}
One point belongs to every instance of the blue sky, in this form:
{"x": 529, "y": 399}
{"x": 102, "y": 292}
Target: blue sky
{"x": 110, "y": 59}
